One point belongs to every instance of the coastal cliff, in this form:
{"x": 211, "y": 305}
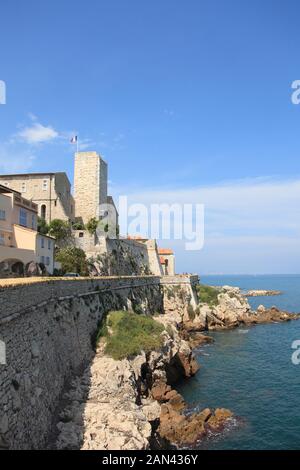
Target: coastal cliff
{"x": 61, "y": 391}
{"x": 130, "y": 403}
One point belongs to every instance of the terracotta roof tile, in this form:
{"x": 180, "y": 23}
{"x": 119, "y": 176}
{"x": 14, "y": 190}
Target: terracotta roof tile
{"x": 165, "y": 251}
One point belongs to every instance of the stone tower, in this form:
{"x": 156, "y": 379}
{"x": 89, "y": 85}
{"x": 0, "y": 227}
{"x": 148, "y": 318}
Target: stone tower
{"x": 90, "y": 185}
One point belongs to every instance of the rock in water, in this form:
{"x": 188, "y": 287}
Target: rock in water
{"x": 233, "y": 310}
{"x": 218, "y": 420}
{"x": 273, "y": 314}
{"x": 185, "y": 430}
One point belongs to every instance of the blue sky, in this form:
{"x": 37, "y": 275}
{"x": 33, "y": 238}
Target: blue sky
{"x": 177, "y": 96}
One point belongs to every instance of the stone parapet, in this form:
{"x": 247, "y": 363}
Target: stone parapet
{"x": 48, "y": 330}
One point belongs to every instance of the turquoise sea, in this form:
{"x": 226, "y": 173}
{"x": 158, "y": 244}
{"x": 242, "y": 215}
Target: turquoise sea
{"x": 250, "y": 371}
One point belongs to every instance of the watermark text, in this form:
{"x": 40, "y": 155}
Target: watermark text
{"x": 2, "y": 92}
{"x": 2, "y": 353}
{"x": 296, "y": 354}
{"x": 175, "y": 221}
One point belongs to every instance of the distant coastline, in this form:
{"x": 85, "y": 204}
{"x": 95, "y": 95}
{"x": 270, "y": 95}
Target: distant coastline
{"x": 262, "y": 293}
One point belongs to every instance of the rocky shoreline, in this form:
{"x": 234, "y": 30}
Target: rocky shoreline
{"x": 262, "y": 293}
{"x": 130, "y": 404}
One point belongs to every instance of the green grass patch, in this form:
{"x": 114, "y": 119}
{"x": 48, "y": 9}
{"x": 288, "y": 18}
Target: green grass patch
{"x": 127, "y": 334}
{"x": 208, "y": 294}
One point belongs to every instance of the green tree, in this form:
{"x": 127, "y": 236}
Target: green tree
{"x": 60, "y": 230}
{"x": 42, "y": 226}
{"x": 73, "y": 260}
{"x": 92, "y": 225}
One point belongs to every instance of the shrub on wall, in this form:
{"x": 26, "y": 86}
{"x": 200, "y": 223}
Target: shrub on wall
{"x": 42, "y": 226}
{"x": 78, "y": 226}
{"x": 60, "y": 230}
{"x": 72, "y": 259}
{"x": 91, "y": 226}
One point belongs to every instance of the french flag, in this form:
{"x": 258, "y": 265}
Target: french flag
{"x": 74, "y": 139}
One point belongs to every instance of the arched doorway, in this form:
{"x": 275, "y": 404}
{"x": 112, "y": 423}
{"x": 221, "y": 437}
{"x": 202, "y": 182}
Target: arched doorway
{"x": 43, "y": 211}
{"x": 18, "y": 268}
{"x": 11, "y": 267}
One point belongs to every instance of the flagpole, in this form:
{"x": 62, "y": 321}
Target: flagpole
{"x": 75, "y": 140}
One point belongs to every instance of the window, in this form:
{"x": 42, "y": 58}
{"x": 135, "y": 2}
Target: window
{"x": 47, "y": 261}
{"x": 45, "y": 185}
{"x": 33, "y": 222}
{"x": 2, "y": 239}
{"x": 43, "y": 259}
{"x": 42, "y": 242}
{"x": 23, "y": 217}
{"x": 43, "y": 211}
{"x": 49, "y": 244}
{"x": 2, "y": 214}
{"x": 81, "y": 234}
{"x": 23, "y": 187}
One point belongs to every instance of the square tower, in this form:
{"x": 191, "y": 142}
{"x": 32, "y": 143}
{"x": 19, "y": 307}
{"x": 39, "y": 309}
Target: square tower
{"x": 90, "y": 185}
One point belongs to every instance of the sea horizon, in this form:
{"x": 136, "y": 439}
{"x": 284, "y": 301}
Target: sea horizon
{"x": 250, "y": 274}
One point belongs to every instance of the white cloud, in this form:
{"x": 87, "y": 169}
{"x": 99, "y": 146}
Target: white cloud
{"x": 250, "y": 225}
{"x": 250, "y": 205}
{"x": 169, "y": 112}
{"x": 13, "y": 160}
{"x": 119, "y": 137}
{"x": 112, "y": 143}
{"x": 32, "y": 116}
{"x": 85, "y": 144}
{"x": 37, "y": 133}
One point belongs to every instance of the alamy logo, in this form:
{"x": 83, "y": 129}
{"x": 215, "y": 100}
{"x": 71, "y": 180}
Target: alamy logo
{"x": 2, "y": 92}
{"x": 296, "y": 354}
{"x": 163, "y": 221}
{"x": 295, "y": 97}
{"x": 2, "y": 353}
